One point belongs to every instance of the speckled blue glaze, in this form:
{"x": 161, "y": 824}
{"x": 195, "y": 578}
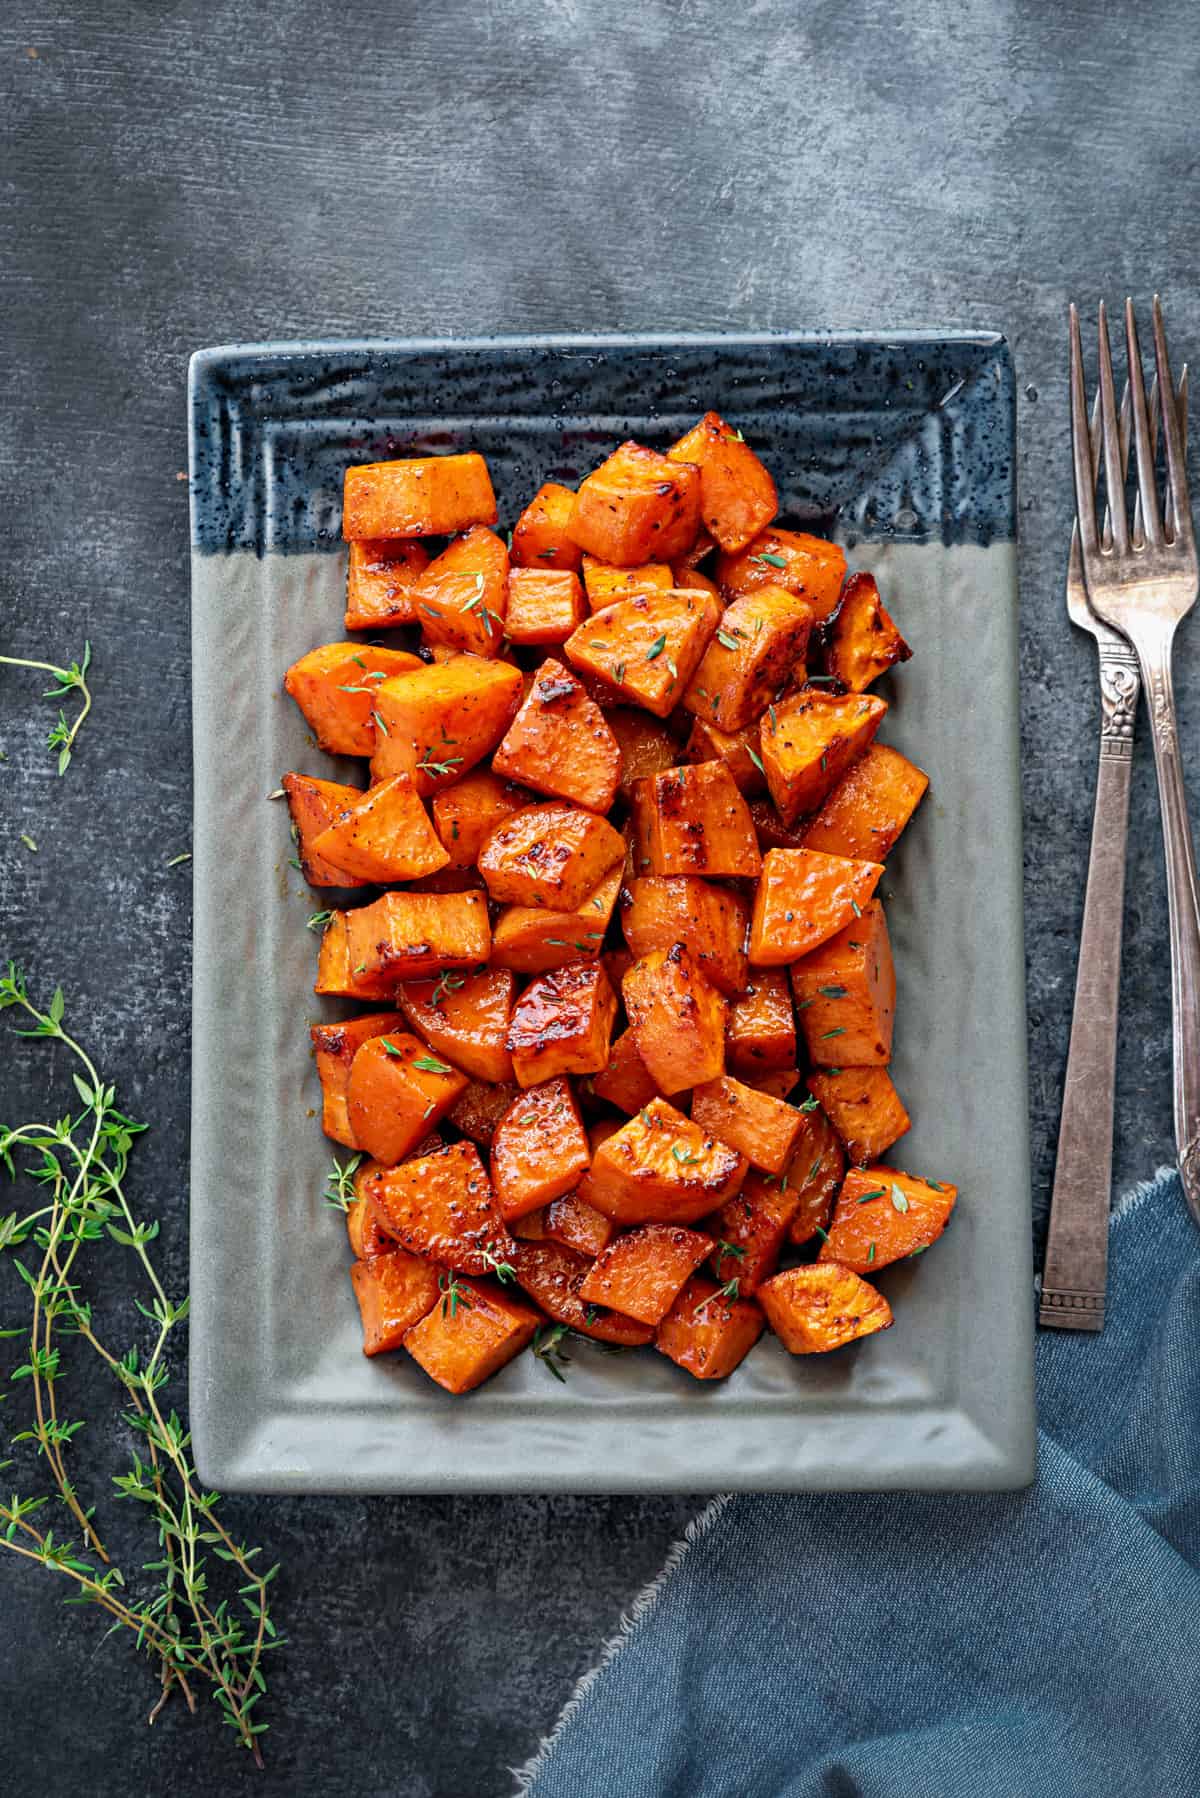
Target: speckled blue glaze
{"x": 907, "y": 437}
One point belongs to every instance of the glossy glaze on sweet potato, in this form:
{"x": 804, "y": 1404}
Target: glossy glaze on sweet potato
{"x": 659, "y": 910}
{"x": 396, "y": 1092}
{"x": 560, "y": 744}
{"x": 864, "y": 1108}
{"x": 739, "y": 750}
{"x": 420, "y": 496}
{"x": 646, "y": 745}
{"x": 863, "y": 640}
{"x": 553, "y": 855}
{"x": 883, "y": 1215}
{"x": 544, "y": 605}
{"x": 542, "y": 534}
{"x": 436, "y": 722}
{"x": 870, "y": 806}
{"x": 809, "y": 566}
{"x": 379, "y": 577}
{"x": 677, "y": 1017}
{"x": 698, "y": 823}
{"x": 383, "y": 835}
{"x": 645, "y": 650}
{"x": 312, "y": 805}
{"x": 552, "y": 1274}
{"x": 539, "y": 1150}
{"x": 462, "y": 597}
{"x": 760, "y": 641}
{"x": 626, "y": 1081}
{"x": 410, "y": 936}
{"x": 814, "y": 1310}
{"x": 472, "y": 1331}
{"x": 604, "y": 585}
{"x": 577, "y": 1225}
{"x": 562, "y": 1023}
{"x": 737, "y": 495}
{"x": 816, "y": 1174}
{"x": 804, "y": 898}
{"x": 337, "y": 689}
{"x": 637, "y": 507}
{"x": 465, "y": 1018}
{"x": 765, "y": 1130}
{"x": 479, "y": 1108}
{"x": 760, "y": 1030}
{"x": 532, "y": 939}
{"x": 441, "y": 1205}
{"x": 641, "y": 1272}
{"x": 750, "y": 1231}
{"x": 662, "y": 1168}
{"x": 394, "y": 1292}
{"x": 335, "y": 1046}
{"x": 338, "y": 975}
{"x": 845, "y": 993}
{"x": 810, "y": 740}
{"x": 707, "y": 1332}
{"x": 466, "y": 814}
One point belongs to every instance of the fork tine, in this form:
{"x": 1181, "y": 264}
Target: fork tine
{"x": 1114, "y": 474}
{"x": 1181, "y": 406}
{"x": 1085, "y": 479}
{"x": 1176, "y": 459}
{"x": 1147, "y": 493}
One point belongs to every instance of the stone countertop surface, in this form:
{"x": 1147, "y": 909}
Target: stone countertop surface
{"x": 203, "y": 173}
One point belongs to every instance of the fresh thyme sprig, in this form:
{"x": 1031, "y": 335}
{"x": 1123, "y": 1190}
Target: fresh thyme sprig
{"x": 196, "y": 1638}
{"x": 72, "y": 679}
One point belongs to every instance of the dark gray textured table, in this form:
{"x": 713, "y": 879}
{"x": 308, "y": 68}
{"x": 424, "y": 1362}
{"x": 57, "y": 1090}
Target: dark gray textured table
{"x": 190, "y": 173}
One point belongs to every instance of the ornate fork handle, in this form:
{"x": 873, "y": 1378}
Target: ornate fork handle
{"x": 1074, "y": 1279}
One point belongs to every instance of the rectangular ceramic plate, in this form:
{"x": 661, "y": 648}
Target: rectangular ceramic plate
{"x": 903, "y": 448}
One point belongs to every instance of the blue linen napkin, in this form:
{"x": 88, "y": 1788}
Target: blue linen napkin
{"x": 1037, "y": 1643}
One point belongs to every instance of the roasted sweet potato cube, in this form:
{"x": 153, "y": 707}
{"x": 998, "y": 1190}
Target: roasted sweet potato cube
{"x": 337, "y": 974}
{"x": 553, "y": 855}
{"x": 659, "y": 910}
{"x": 363, "y": 1229}
{"x": 677, "y": 1018}
{"x": 625, "y": 1082}
{"x": 465, "y": 1018}
{"x": 380, "y": 574}
{"x": 479, "y": 1108}
{"x": 461, "y": 599}
{"x": 739, "y": 750}
{"x": 806, "y": 565}
{"x": 803, "y": 899}
{"x": 412, "y": 936}
{"x": 760, "y": 1031}
{"x": 698, "y": 823}
{"x": 466, "y": 814}
{"x": 637, "y": 507}
{"x": 780, "y": 1084}
{"x": 578, "y": 1225}
{"x": 737, "y": 495}
{"x": 815, "y": 1174}
{"x": 864, "y": 1108}
{"x": 810, "y": 740}
{"x": 540, "y": 1149}
{"x": 707, "y": 1331}
{"x": 383, "y": 834}
{"x": 883, "y": 1215}
{"x": 337, "y": 689}
{"x": 552, "y": 1273}
{"x": 660, "y": 1168}
{"x": 335, "y": 1046}
{"x": 869, "y": 807}
{"x": 313, "y": 804}
{"x": 845, "y": 994}
{"x": 604, "y": 585}
{"x": 542, "y": 534}
{"x": 763, "y": 1129}
{"x": 559, "y": 743}
{"x": 544, "y": 605}
{"x": 532, "y": 940}
{"x": 863, "y": 639}
{"x": 750, "y": 1230}
{"x": 641, "y": 1273}
{"x": 815, "y": 1309}
{"x": 473, "y": 1331}
{"x": 394, "y": 1292}
{"x": 759, "y": 641}
{"x": 437, "y": 721}
{"x": 441, "y": 1205}
{"x": 646, "y": 649}
{"x": 422, "y": 496}
{"x": 396, "y": 1093}
{"x": 647, "y": 747}
{"x": 563, "y": 1023}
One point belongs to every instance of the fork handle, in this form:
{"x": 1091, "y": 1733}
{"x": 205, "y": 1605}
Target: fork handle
{"x": 1183, "y": 910}
{"x": 1076, "y": 1269}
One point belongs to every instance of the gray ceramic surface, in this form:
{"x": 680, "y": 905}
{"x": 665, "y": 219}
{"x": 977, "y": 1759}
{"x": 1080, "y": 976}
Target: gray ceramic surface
{"x": 282, "y": 1399}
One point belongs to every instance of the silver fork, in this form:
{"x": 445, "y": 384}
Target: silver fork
{"x": 1143, "y": 584}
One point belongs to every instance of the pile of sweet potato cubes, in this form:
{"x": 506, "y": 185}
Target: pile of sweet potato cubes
{"x": 629, "y": 813}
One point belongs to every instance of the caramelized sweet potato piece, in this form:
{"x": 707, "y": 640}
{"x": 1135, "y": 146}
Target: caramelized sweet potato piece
{"x": 815, "y": 1309}
{"x": 422, "y": 496}
{"x": 559, "y": 743}
{"x": 544, "y": 605}
{"x": 383, "y": 834}
{"x": 770, "y": 829}
{"x": 738, "y": 750}
{"x": 466, "y": 814}
{"x": 441, "y": 1205}
{"x": 759, "y": 641}
{"x": 864, "y": 1108}
{"x": 863, "y": 639}
{"x": 625, "y": 1082}
{"x": 845, "y": 994}
{"x": 437, "y": 721}
{"x": 465, "y": 1018}
{"x": 803, "y": 899}
{"x": 641, "y": 1273}
{"x": 337, "y": 974}
{"x": 461, "y": 599}
{"x": 473, "y": 1331}
{"x": 553, "y": 855}
{"x": 396, "y": 1093}
{"x": 378, "y": 580}
{"x": 410, "y": 936}
{"x": 760, "y": 1031}
{"x": 540, "y": 1149}
{"x": 394, "y": 1292}
{"x": 869, "y": 807}
{"x": 677, "y": 1018}
{"x": 646, "y": 746}
{"x": 637, "y": 507}
{"x": 576, "y": 1224}
{"x": 337, "y": 689}
{"x": 816, "y": 1174}
{"x": 707, "y": 1331}
{"x": 780, "y": 1084}
{"x": 661, "y": 1168}
{"x": 313, "y": 804}
{"x": 806, "y": 565}
{"x": 645, "y": 650}
{"x": 532, "y": 940}
{"x": 698, "y": 823}
{"x": 751, "y": 1229}
{"x": 363, "y": 1228}
{"x": 808, "y": 743}
{"x": 765, "y": 1130}
{"x": 659, "y": 910}
{"x": 542, "y": 534}
{"x": 335, "y": 1046}
{"x": 479, "y": 1108}
{"x": 604, "y": 585}
{"x": 883, "y": 1215}
{"x": 552, "y": 1274}
{"x": 563, "y": 1023}
{"x": 737, "y": 495}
